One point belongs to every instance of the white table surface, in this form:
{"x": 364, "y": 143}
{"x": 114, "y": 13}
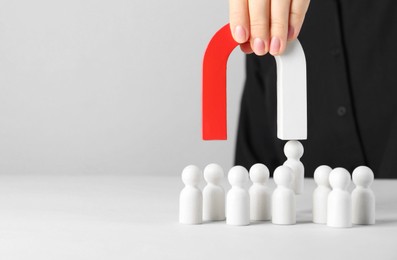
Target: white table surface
{"x": 126, "y": 217}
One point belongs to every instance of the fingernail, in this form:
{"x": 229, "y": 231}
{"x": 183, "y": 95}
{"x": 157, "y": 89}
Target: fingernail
{"x": 290, "y": 32}
{"x": 259, "y": 46}
{"x": 275, "y": 46}
{"x": 240, "y": 34}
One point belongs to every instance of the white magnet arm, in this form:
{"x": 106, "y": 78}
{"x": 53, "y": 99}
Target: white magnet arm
{"x": 291, "y": 93}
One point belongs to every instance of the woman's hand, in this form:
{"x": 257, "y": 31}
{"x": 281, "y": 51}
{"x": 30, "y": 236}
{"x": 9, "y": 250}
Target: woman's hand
{"x": 263, "y": 26}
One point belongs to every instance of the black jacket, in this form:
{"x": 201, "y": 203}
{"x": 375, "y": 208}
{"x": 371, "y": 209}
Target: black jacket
{"x": 351, "y": 54}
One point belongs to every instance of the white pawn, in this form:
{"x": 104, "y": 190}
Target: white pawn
{"x": 260, "y": 194}
{"x": 363, "y": 198}
{"x": 320, "y": 194}
{"x": 293, "y": 150}
{"x": 213, "y": 193}
{"x": 283, "y": 199}
{"x": 191, "y": 198}
{"x": 339, "y": 199}
{"x": 237, "y": 201}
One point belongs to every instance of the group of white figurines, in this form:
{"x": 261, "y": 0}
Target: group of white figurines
{"x": 333, "y": 204}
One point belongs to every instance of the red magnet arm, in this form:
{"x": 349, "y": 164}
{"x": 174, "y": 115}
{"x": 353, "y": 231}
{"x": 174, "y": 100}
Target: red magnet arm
{"x": 214, "y": 84}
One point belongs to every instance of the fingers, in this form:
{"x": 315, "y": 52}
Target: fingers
{"x": 296, "y": 17}
{"x": 279, "y": 25}
{"x": 263, "y": 26}
{"x": 239, "y": 20}
{"x": 259, "y": 25}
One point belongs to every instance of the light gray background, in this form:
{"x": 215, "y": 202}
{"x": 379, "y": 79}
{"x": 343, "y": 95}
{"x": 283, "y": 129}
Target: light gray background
{"x": 100, "y": 86}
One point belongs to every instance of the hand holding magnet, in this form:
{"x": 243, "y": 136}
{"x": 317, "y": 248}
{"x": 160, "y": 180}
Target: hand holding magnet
{"x": 291, "y": 89}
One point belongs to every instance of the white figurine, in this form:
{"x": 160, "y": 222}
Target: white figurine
{"x": 283, "y": 199}
{"x": 191, "y": 198}
{"x": 293, "y": 150}
{"x": 237, "y": 201}
{"x": 213, "y": 193}
{"x": 320, "y": 194}
{"x": 363, "y": 198}
{"x": 339, "y": 199}
{"x": 260, "y": 194}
